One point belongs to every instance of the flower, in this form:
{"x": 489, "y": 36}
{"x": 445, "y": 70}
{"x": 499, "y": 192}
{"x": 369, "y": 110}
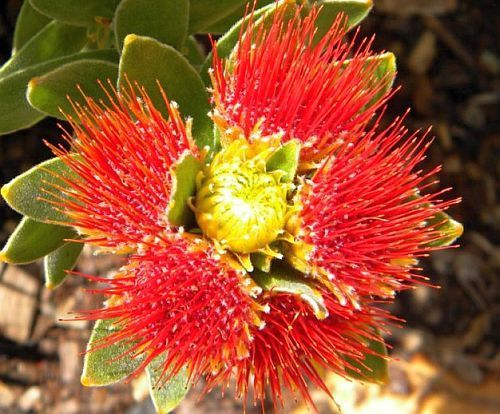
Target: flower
{"x": 279, "y": 271}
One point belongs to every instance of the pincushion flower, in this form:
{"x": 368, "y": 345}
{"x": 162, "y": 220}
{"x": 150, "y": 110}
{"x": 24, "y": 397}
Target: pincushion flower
{"x": 261, "y": 262}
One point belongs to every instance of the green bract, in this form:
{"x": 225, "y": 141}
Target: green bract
{"x": 33, "y": 239}
{"x": 166, "y": 395}
{"x": 29, "y": 192}
{"x": 57, "y": 263}
{"x": 374, "y": 367}
{"x": 150, "y": 63}
{"x": 15, "y": 111}
{"x": 29, "y": 23}
{"x": 287, "y": 280}
{"x": 166, "y": 21}
{"x": 76, "y": 12}
{"x": 55, "y": 92}
{"x": 183, "y": 188}
{"x": 106, "y": 364}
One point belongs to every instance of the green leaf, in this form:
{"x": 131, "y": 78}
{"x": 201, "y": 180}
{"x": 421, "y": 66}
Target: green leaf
{"x": 203, "y": 13}
{"x": 193, "y": 51}
{"x": 374, "y": 367}
{"x": 166, "y": 395}
{"x": 281, "y": 279}
{"x": 386, "y": 66}
{"x": 59, "y": 262}
{"x": 285, "y": 159}
{"x": 26, "y": 192}
{"x": 261, "y": 261}
{"x": 184, "y": 187}
{"x": 146, "y": 61}
{"x": 165, "y": 21}
{"x": 223, "y": 25}
{"x": 32, "y": 239}
{"x": 355, "y": 10}
{"x": 51, "y": 92}
{"x": 103, "y": 365}
{"x": 385, "y": 71}
{"x": 76, "y": 12}
{"x": 53, "y": 41}
{"x": 29, "y": 22}
{"x": 450, "y": 229}
{"x": 15, "y": 111}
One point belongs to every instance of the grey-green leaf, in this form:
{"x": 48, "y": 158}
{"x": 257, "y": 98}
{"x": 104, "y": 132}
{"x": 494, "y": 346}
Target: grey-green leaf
{"x": 26, "y": 193}
{"x": 354, "y": 10}
{"x": 165, "y": 21}
{"x": 54, "y": 91}
{"x": 449, "y": 229}
{"x": 285, "y": 159}
{"x": 57, "y": 263}
{"x": 76, "y": 12}
{"x": 55, "y": 40}
{"x": 374, "y": 367}
{"x": 15, "y": 111}
{"x": 384, "y": 72}
{"x": 32, "y": 240}
{"x": 223, "y": 25}
{"x": 146, "y": 61}
{"x": 29, "y": 22}
{"x": 282, "y": 279}
{"x": 184, "y": 187}
{"x": 103, "y": 365}
{"x": 166, "y": 395}
{"x": 204, "y": 13}
{"x": 193, "y": 52}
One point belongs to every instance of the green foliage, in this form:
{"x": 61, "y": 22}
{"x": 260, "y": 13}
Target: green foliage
{"x": 26, "y": 192}
{"x": 285, "y": 159}
{"x": 282, "y": 279}
{"x": 204, "y": 13}
{"x": 223, "y": 25}
{"x": 449, "y": 229}
{"x": 147, "y": 62}
{"x": 29, "y": 22}
{"x": 15, "y": 111}
{"x": 374, "y": 367}
{"x": 57, "y": 263}
{"x": 193, "y": 52}
{"x": 51, "y": 92}
{"x": 183, "y": 188}
{"x": 76, "y": 12}
{"x": 354, "y": 10}
{"x": 32, "y": 240}
{"x": 165, "y": 21}
{"x": 106, "y": 364}
{"x": 166, "y": 395}
{"x": 53, "y": 41}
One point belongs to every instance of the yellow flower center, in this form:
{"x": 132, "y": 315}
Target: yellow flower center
{"x": 239, "y": 204}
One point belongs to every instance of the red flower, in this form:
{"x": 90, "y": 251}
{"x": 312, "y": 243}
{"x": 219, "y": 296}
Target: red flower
{"x": 284, "y": 81}
{"x": 362, "y": 225}
{"x": 350, "y": 220}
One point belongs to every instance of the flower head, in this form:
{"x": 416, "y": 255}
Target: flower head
{"x": 284, "y": 80}
{"x": 304, "y": 219}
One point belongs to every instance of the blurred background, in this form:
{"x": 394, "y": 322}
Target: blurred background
{"x": 447, "y": 358}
